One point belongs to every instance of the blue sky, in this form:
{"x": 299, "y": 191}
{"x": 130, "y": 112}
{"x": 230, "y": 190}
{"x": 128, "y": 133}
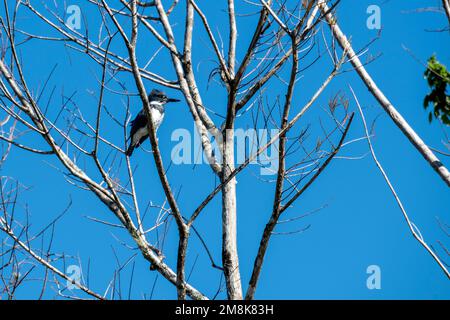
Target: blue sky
{"x": 361, "y": 224}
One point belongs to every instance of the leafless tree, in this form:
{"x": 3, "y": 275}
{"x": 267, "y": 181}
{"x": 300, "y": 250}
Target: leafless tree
{"x": 283, "y": 44}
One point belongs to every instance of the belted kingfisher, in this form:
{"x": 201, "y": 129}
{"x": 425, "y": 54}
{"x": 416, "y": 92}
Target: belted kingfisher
{"x": 139, "y": 131}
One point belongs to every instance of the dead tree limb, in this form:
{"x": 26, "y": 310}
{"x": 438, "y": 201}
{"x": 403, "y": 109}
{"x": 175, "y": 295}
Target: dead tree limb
{"x": 398, "y": 119}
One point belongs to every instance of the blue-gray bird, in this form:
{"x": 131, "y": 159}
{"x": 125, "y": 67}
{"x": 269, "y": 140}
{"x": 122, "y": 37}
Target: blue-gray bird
{"x": 139, "y": 130}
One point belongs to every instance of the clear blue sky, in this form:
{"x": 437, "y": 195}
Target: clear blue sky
{"x": 361, "y": 224}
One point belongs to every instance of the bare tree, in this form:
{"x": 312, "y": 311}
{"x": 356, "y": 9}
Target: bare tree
{"x": 283, "y": 44}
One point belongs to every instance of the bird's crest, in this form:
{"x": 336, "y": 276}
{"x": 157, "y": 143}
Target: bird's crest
{"x": 157, "y": 95}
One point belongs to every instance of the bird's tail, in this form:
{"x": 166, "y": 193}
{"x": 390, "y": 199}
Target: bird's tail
{"x": 130, "y": 150}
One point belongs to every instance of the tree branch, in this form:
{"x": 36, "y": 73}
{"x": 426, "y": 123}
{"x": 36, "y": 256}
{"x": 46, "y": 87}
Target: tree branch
{"x": 401, "y": 123}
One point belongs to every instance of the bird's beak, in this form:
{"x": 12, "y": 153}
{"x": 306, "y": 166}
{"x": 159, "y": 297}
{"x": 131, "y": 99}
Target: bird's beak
{"x": 172, "y": 100}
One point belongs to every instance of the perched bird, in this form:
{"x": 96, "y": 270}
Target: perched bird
{"x": 139, "y": 130}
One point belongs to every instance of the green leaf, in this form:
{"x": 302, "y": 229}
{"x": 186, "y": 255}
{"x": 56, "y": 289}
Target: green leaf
{"x": 437, "y": 78}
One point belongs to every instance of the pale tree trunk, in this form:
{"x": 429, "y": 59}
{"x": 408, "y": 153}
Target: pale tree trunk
{"x": 229, "y": 227}
{"x": 230, "y": 258}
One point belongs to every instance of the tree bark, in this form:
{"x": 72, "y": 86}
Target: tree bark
{"x": 230, "y": 258}
{"x": 446, "y": 5}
